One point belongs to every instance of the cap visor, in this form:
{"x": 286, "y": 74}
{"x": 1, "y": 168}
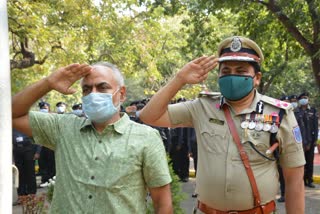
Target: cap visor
{"x": 236, "y": 58}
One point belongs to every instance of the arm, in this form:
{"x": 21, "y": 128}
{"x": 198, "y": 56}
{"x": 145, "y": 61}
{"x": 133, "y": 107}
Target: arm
{"x": 294, "y": 189}
{"x": 155, "y": 112}
{"x": 161, "y": 197}
{"x": 61, "y": 81}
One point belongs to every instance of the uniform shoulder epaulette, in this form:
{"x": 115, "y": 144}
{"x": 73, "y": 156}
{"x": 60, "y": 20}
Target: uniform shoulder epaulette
{"x": 276, "y": 103}
{"x": 210, "y": 94}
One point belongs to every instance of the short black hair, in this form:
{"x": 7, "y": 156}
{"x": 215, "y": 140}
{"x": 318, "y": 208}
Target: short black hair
{"x": 60, "y": 103}
{"x": 77, "y": 106}
{"x": 303, "y": 94}
{"x": 284, "y": 97}
{"x": 42, "y": 104}
{"x": 293, "y": 96}
{"x": 255, "y": 66}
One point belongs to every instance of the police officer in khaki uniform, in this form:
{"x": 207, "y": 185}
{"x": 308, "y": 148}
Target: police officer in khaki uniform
{"x": 223, "y": 185}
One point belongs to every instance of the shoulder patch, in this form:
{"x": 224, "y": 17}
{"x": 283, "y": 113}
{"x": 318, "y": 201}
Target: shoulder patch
{"x": 277, "y": 103}
{"x": 297, "y": 134}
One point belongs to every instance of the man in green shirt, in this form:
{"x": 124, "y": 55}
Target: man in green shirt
{"x": 105, "y": 163}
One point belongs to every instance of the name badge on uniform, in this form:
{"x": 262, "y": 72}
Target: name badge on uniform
{"x": 19, "y": 139}
{"x": 216, "y": 121}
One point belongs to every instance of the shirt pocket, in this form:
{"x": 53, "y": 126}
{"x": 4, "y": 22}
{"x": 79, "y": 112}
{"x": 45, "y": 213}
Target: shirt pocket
{"x": 261, "y": 142}
{"x": 213, "y": 137}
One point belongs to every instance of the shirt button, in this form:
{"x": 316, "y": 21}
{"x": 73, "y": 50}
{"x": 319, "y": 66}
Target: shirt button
{"x": 92, "y": 177}
{"x": 100, "y": 141}
{"x": 96, "y": 158}
{"x": 90, "y": 196}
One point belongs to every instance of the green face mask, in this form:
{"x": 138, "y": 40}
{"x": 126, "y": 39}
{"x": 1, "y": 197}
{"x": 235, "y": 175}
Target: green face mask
{"x": 235, "y": 87}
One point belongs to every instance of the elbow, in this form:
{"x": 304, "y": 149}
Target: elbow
{"x": 144, "y": 118}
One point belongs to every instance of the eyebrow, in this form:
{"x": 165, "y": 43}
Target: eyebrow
{"x": 97, "y": 85}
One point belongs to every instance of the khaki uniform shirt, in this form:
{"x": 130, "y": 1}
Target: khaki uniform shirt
{"x": 222, "y": 182}
{"x": 101, "y": 173}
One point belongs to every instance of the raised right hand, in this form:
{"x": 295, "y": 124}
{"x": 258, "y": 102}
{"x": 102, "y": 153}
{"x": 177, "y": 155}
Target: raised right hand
{"x": 197, "y": 70}
{"x": 62, "y": 79}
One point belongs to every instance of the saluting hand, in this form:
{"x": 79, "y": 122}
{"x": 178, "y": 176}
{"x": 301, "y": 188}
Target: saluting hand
{"x": 62, "y": 79}
{"x": 197, "y": 70}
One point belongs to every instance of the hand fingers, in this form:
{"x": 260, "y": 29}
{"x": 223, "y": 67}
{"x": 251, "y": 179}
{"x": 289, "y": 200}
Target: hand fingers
{"x": 198, "y": 60}
{"x": 211, "y": 64}
{"x": 70, "y": 91}
{"x": 85, "y": 70}
{"x": 203, "y": 77}
{"x": 77, "y": 68}
{"x": 207, "y": 60}
{"x": 71, "y": 66}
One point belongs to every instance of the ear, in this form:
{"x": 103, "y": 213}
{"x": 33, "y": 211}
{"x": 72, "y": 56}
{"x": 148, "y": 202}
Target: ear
{"x": 257, "y": 79}
{"x": 123, "y": 93}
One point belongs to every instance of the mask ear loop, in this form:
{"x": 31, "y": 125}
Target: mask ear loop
{"x": 119, "y": 104}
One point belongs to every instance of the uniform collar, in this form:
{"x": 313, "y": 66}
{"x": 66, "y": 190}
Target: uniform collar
{"x": 119, "y": 126}
{"x": 251, "y": 108}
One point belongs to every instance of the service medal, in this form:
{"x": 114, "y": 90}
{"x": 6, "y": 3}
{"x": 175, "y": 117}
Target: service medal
{"x": 259, "y": 126}
{"x": 274, "y": 128}
{"x": 244, "y": 124}
{"x": 266, "y": 127}
{"x": 252, "y": 125}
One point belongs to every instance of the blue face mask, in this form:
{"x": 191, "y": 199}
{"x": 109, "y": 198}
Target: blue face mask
{"x": 235, "y": 87}
{"x": 304, "y": 101}
{"x": 99, "y": 106}
{"x": 294, "y": 105}
{"x": 77, "y": 112}
{"x": 44, "y": 110}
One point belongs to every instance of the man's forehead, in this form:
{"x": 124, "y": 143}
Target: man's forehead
{"x": 99, "y": 74}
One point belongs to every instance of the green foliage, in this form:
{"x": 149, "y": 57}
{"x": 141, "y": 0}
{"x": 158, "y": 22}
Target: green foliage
{"x": 177, "y": 195}
{"x": 50, "y": 193}
{"x": 150, "y": 40}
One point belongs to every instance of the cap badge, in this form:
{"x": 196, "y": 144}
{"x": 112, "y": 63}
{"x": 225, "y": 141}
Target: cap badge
{"x": 235, "y": 44}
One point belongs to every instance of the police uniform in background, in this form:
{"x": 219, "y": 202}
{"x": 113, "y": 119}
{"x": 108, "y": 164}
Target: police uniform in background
{"x": 77, "y": 110}
{"x": 307, "y": 118}
{"x": 24, "y": 153}
{"x": 294, "y": 101}
{"x": 192, "y": 145}
{"x": 46, "y": 161}
{"x": 179, "y": 150}
{"x": 179, "y": 153}
{"x": 281, "y": 178}
{"x": 222, "y": 181}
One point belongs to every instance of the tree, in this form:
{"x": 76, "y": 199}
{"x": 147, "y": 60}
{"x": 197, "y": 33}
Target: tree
{"x": 48, "y": 34}
{"x": 284, "y": 45}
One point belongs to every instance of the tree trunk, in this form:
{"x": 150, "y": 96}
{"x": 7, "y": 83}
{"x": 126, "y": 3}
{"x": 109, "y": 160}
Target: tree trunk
{"x": 315, "y": 61}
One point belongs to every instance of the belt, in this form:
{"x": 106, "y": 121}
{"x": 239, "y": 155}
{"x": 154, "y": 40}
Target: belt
{"x": 262, "y": 209}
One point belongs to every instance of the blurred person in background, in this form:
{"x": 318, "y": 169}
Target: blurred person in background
{"x": 307, "y": 117}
